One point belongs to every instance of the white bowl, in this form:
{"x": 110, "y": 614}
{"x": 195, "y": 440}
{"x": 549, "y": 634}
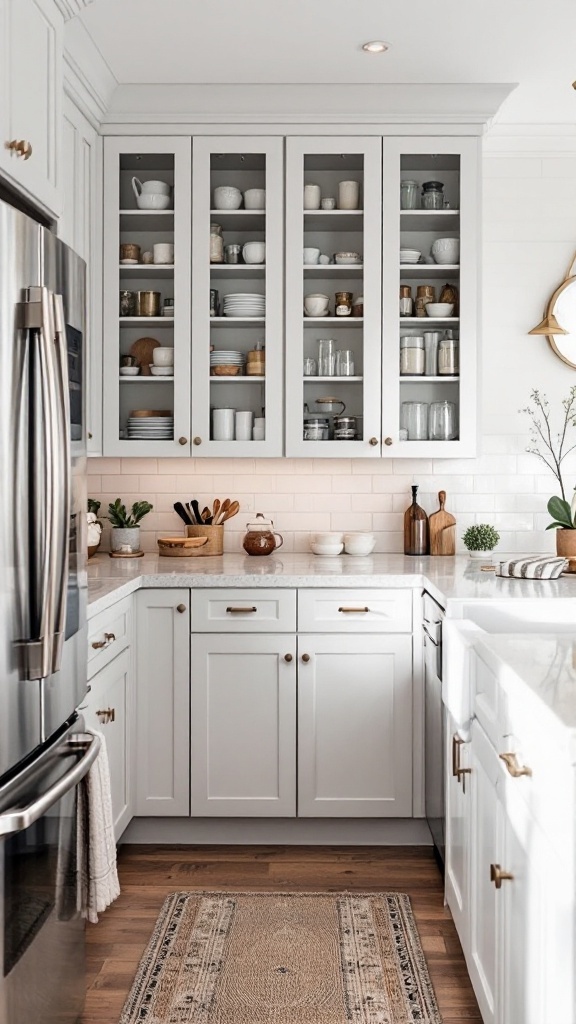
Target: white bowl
{"x": 316, "y": 305}
{"x": 227, "y": 197}
{"x": 162, "y": 371}
{"x": 344, "y": 258}
{"x": 359, "y": 543}
{"x": 439, "y": 308}
{"x": 326, "y": 549}
{"x": 255, "y": 199}
{"x": 254, "y": 252}
{"x": 153, "y": 201}
{"x": 446, "y": 250}
{"x": 326, "y": 537}
{"x": 129, "y": 371}
{"x": 163, "y": 356}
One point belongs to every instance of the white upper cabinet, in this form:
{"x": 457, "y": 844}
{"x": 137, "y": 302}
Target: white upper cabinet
{"x": 345, "y": 173}
{"x": 147, "y": 277}
{"x": 237, "y": 289}
{"x": 431, "y": 389}
{"x": 31, "y": 34}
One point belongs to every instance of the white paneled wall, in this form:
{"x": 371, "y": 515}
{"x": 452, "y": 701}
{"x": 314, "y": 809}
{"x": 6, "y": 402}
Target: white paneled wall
{"x": 529, "y": 236}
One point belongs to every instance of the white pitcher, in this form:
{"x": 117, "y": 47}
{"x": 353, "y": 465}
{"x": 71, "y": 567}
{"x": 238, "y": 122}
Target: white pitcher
{"x": 148, "y": 188}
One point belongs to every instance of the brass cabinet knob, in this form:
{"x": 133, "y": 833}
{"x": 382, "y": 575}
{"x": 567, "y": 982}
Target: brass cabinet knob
{"x": 306, "y": 658}
{"x": 288, "y": 658}
{"x": 388, "y": 441}
{"x": 515, "y": 769}
{"x": 180, "y": 608}
{"x": 109, "y": 638}
{"x": 21, "y": 148}
{"x": 89, "y": 436}
{"x": 182, "y": 440}
{"x": 197, "y": 440}
{"x": 373, "y": 441}
{"x": 107, "y": 714}
{"x": 497, "y": 875}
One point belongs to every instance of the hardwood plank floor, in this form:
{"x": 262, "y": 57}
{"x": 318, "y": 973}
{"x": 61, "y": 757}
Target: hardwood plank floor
{"x": 149, "y": 873}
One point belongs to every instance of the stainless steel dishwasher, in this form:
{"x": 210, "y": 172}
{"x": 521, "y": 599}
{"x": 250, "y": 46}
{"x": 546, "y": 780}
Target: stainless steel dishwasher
{"x": 434, "y": 724}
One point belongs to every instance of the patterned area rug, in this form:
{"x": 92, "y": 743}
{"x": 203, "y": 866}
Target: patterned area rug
{"x": 283, "y": 958}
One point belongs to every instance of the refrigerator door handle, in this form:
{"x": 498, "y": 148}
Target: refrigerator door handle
{"x": 36, "y": 315}
{"x": 16, "y": 819}
{"x": 62, "y": 485}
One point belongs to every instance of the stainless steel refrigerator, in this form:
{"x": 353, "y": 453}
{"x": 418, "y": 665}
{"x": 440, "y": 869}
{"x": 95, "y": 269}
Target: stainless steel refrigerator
{"x": 44, "y": 751}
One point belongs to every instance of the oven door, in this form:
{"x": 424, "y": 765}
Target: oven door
{"x": 42, "y": 975}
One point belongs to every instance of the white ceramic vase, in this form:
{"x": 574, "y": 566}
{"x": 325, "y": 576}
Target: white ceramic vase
{"x": 125, "y": 540}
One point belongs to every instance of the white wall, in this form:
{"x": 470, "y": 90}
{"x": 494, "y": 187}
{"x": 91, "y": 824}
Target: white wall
{"x": 529, "y": 229}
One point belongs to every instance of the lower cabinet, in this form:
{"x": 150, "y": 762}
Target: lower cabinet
{"x": 162, "y": 702}
{"x": 108, "y": 711}
{"x": 243, "y": 725}
{"x": 458, "y": 798}
{"x": 354, "y": 726}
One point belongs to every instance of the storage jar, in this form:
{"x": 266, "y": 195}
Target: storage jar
{"x": 409, "y": 198}
{"x": 412, "y": 355}
{"x": 448, "y": 357}
{"x": 216, "y": 244}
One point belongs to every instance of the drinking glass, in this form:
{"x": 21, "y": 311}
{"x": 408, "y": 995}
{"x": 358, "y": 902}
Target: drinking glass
{"x": 310, "y": 367}
{"x": 442, "y": 421}
{"x": 326, "y": 357}
{"x": 414, "y": 419}
{"x": 345, "y": 363}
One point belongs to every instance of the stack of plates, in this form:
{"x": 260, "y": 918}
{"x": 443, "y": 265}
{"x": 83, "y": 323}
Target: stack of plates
{"x": 223, "y": 358}
{"x": 409, "y": 255}
{"x": 151, "y": 427}
{"x": 244, "y": 305}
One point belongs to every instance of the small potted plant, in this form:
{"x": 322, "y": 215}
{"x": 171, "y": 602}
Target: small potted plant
{"x": 552, "y": 447}
{"x": 125, "y": 532}
{"x": 480, "y": 540}
{"x": 94, "y": 530}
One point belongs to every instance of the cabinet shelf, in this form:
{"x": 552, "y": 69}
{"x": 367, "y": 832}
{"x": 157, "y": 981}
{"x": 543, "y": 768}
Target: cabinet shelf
{"x": 422, "y": 270}
{"x": 429, "y": 220}
{"x": 340, "y": 321}
{"x": 429, "y": 319}
{"x": 240, "y": 379}
{"x": 144, "y": 379}
{"x": 146, "y": 220}
{"x": 422, "y": 379}
{"x": 236, "y": 321}
{"x": 152, "y": 321}
{"x": 328, "y": 380}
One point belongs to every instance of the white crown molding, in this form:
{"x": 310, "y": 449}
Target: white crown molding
{"x": 70, "y": 8}
{"x": 307, "y": 104}
{"x": 88, "y": 80}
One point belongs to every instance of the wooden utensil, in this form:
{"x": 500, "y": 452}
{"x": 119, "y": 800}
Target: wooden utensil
{"x": 223, "y": 508}
{"x": 142, "y": 350}
{"x": 231, "y": 511}
{"x": 206, "y": 516}
{"x": 196, "y": 508}
{"x": 215, "y": 510}
{"x": 442, "y": 527}
{"x": 191, "y": 516}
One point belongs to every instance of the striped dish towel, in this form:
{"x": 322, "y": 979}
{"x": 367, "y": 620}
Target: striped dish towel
{"x": 533, "y": 567}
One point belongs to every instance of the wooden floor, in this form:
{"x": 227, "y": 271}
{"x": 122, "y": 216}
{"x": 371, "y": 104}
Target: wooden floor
{"x": 149, "y": 873}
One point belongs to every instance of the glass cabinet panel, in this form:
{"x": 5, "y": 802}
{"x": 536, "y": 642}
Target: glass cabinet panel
{"x": 430, "y": 264}
{"x": 147, "y": 297}
{"x": 237, "y": 325}
{"x": 333, "y": 296}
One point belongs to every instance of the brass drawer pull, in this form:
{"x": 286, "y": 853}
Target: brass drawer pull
{"x": 347, "y": 610}
{"x": 515, "y": 769}
{"x": 241, "y": 611}
{"x": 21, "y": 148}
{"x": 456, "y": 744}
{"x": 107, "y": 714}
{"x": 498, "y": 876}
{"x": 109, "y": 638}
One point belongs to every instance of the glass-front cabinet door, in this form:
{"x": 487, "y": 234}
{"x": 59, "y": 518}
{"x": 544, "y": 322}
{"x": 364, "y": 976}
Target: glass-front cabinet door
{"x": 237, "y": 296}
{"x": 146, "y": 317}
{"x": 333, "y": 296}
{"x": 430, "y": 286}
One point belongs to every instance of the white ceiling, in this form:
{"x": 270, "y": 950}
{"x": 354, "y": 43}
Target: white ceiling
{"x": 531, "y": 42}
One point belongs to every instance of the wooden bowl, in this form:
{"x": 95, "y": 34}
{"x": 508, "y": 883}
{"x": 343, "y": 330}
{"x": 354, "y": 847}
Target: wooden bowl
{"x": 179, "y": 547}
{"x": 226, "y": 370}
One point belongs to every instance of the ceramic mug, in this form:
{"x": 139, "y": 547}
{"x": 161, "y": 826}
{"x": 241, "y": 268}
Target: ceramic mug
{"x": 312, "y": 195}
{"x": 348, "y": 195}
{"x": 243, "y": 424}
{"x": 223, "y": 424}
{"x": 163, "y": 252}
{"x": 310, "y": 256}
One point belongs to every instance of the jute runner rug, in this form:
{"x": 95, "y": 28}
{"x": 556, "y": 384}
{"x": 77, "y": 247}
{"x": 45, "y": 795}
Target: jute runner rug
{"x": 283, "y": 958}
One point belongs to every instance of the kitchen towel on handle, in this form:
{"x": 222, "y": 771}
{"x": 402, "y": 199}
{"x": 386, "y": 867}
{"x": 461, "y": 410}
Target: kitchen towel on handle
{"x": 98, "y": 884}
{"x": 533, "y": 567}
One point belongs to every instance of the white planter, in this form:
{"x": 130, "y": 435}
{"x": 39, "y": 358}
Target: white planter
{"x": 486, "y": 555}
{"x": 125, "y": 540}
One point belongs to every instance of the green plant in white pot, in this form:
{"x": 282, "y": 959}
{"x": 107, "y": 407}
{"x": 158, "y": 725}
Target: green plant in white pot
{"x": 125, "y": 532}
{"x": 480, "y": 540}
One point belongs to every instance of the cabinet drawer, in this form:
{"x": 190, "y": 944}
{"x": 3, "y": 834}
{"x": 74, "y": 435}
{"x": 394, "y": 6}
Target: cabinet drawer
{"x": 109, "y": 633}
{"x": 354, "y": 611}
{"x": 241, "y": 610}
{"x": 489, "y": 701}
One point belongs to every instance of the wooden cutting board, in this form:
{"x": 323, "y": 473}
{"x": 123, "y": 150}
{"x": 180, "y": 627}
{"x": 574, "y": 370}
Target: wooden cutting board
{"x": 442, "y": 527}
{"x": 143, "y": 349}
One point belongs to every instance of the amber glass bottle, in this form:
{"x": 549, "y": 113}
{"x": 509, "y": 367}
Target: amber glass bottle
{"x": 415, "y": 528}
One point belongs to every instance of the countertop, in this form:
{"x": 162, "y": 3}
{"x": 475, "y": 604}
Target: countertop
{"x": 449, "y": 580}
{"x": 543, "y": 662}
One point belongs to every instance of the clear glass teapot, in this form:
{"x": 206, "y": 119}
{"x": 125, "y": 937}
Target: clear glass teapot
{"x": 260, "y": 537}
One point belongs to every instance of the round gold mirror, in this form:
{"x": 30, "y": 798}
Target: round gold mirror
{"x": 562, "y": 306}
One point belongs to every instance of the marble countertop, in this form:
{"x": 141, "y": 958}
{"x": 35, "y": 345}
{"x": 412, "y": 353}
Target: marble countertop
{"x": 543, "y": 662}
{"x": 449, "y": 580}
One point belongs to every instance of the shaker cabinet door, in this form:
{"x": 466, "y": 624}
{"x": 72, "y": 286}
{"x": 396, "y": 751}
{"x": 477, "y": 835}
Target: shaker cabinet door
{"x": 109, "y": 711}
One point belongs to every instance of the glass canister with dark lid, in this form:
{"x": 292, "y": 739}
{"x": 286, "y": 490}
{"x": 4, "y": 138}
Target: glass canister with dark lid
{"x": 433, "y": 195}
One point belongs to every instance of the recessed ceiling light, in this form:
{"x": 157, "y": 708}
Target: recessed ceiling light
{"x": 376, "y": 46}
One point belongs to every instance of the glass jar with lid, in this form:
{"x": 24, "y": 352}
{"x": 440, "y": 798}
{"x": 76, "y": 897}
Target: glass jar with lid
{"x": 433, "y": 195}
{"x": 409, "y": 198}
{"x": 412, "y": 355}
{"x": 448, "y": 356}
{"x": 216, "y": 244}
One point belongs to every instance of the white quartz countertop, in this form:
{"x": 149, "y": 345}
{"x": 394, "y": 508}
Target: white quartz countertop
{"x": 543, "y": 662}
{"x": 447, "y": 579}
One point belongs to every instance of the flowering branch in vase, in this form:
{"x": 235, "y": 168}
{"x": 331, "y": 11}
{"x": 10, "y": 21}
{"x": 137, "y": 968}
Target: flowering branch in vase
{"x": 551, "y": 449}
